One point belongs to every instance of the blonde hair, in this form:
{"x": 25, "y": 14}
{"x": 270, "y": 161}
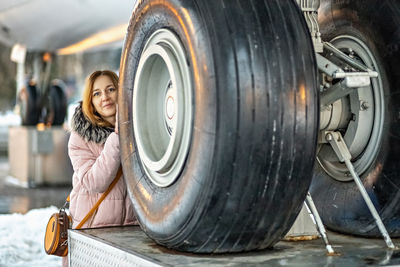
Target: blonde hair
{"x": 87, "y": 106}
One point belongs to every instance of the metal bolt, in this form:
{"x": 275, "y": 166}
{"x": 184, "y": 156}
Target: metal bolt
{"x": 351, "y": 53}
{"x": 329, "y": 137}
{"x": 364, "y": 105}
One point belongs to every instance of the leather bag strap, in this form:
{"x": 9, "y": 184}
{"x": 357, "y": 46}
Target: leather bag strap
{"x": 103, "y": 196}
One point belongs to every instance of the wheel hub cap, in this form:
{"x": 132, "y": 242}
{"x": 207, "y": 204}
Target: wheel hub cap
{"x": 162, "y": 108}
{"x": 358, "y": 116}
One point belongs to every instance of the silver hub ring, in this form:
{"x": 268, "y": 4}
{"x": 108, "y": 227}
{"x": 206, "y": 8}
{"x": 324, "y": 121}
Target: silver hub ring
{"x": 363, "y": 132}
{"x": 162, "y": 108}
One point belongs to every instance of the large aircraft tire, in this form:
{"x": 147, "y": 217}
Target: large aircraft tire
{"x": 57, "y": 109}
{"x": 371, "y": 29}
{"x": 29, "y": 105}
{"x": 218, "y": 117}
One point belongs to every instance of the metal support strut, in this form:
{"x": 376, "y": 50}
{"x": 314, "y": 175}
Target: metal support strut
{"x": 321, "y": 229}
{"x": 335, "y": 139}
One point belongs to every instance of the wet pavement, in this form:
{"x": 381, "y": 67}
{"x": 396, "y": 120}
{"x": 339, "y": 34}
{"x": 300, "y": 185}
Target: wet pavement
{"x": 15, "y": 199}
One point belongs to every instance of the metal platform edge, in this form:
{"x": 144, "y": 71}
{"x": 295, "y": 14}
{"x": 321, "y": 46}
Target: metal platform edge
{"x": 87, "y": 250}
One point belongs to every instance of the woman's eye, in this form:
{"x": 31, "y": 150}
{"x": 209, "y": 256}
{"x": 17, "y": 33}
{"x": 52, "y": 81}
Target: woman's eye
{"x": 96, "y": 94}
{"x": 111, "y": 89}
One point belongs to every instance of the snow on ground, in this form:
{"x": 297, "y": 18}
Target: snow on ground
{"x": 9, "y": 118}
{"x": 21, "y": 239}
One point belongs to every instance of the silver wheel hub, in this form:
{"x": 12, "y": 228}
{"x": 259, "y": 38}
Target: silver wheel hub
{"x": 358, "y": 116}
{"x": 162, "y": 108}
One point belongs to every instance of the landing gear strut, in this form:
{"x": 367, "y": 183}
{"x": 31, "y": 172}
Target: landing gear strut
{"x": 351, "y": 107}
{"x": 335, "y": 139}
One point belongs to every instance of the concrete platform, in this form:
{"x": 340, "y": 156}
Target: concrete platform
{"x": 39, "y": 157}
{"x": 129, "y": 246}
{"x": 15, "y": 199}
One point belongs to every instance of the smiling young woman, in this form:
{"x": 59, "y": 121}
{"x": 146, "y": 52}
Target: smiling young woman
{"x": 95, "y": 156}
{"x": 100, "y": 98}
{"x": 104, "y": 98}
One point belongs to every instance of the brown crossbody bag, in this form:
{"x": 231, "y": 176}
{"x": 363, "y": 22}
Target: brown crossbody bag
{"x": 56, "y": 236}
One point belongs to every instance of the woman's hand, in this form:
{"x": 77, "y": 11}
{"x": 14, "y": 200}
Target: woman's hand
{"x": 116, "y": 119}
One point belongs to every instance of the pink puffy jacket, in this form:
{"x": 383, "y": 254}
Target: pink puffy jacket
{"x": 94, "y": 154}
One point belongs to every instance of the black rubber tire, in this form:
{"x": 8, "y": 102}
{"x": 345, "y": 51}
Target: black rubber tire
{"x": 57, "y": 106}
{"x": 254, "y": 130}
{"x": 29, "y": 105}
{"x": 340, "y": 204}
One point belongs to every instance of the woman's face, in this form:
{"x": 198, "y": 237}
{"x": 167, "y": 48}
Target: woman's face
{"x": 104, "y": 97}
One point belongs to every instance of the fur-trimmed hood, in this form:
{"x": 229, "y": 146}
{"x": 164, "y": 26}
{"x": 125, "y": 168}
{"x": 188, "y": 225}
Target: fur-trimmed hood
{"x": 90, "y": 132}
